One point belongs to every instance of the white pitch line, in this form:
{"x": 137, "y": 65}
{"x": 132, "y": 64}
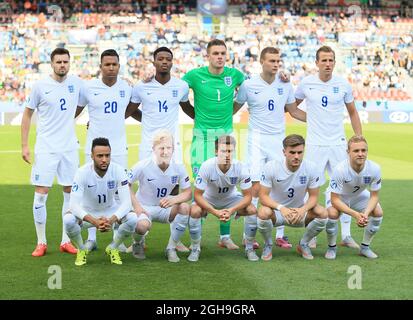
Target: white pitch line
{"x": 19, "y": 151}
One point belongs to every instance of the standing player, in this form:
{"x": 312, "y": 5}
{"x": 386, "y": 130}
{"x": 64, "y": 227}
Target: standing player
{"x": 157, "y": 177}
{"x": 214, "y": 87}
{"x": 216, "y": 193}
{"x": 349, "y": 194}
{"x": 326, "y": 95}
{"x": 107, "y": 100}
{"x": 55, "y": 98}
{"x": 268, "y": 98}
{"x": 289, "y": 194}
{"x": 160, "y": 99}
{"x": 93, "y": 203}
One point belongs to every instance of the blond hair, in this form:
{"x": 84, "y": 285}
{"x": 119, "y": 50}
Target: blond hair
{"x": 161, "y": 136}
{"x": 356, "y": 139}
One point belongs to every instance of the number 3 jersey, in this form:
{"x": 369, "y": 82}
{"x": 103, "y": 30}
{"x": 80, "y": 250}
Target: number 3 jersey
{"x": 56, "y": 104}
{"x": 155, "y": 184}
{"x": 106, "y": 106}
{"x": 348, "y": 183}
{"x": 325, "y": 103}
{"x": 160, "y": 106}
{"x": 218, "y": 185}
{"x": 290, "y": 188}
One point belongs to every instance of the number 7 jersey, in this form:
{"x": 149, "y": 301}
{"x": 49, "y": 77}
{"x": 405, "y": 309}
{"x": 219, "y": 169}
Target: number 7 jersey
{"x": 290, "y": 188}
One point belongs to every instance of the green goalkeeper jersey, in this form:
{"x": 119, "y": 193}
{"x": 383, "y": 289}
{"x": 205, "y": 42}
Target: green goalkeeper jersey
{"x": 213, "y": 97}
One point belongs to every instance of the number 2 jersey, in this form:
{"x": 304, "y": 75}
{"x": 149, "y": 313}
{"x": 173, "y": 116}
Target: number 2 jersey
{"x": 155, "y": 184}
{"x": 325, "y": 103}
{"x": 56, "y": 104}
{"x": 290, "y": 188}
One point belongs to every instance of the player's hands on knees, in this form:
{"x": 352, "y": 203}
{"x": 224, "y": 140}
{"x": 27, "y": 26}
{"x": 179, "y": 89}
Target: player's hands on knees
{"x": 167, "y": 202}
{"x": 26, "y": 154}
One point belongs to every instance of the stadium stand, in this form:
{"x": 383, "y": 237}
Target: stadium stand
{"x": 379, "y": 65}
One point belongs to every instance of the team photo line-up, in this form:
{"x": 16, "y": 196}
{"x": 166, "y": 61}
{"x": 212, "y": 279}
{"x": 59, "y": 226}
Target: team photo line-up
{"x": 98, "y": 196}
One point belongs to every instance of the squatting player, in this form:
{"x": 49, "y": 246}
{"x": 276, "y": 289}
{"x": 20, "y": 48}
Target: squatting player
{"x": 157, "y": 176}
{"x": 349, "y": 194}
{"x": 216, "y": 193}
{"x": 289, "y": 194}
{"x": 93, "y": 203}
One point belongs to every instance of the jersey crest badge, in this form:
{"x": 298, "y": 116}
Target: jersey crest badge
{"x": 303, "y": 179}
{"x": 335, "y": 89}
{"x": 367, "y": 180}
{"x": 111, "y": 184}
{"x": 233, "y": 180}
{"x": 71, "y": 88}
{"x": 122, "y": 93}
{"x": 228, "y": 81}
{"x": 174, "y": 179}
{"x": 175, "y": 93}
{"x": 280, "y": 91}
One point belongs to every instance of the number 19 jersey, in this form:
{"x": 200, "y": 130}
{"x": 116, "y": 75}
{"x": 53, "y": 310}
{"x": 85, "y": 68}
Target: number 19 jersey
{"x": 155, "y": 184}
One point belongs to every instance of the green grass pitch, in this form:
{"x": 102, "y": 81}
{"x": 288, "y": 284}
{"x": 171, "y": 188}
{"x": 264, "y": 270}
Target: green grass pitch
{"x": 220, "y": 274}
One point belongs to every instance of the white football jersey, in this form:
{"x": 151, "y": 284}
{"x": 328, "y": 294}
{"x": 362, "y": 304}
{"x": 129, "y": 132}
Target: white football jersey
{"x": 106, "y": 108}
{"x": 348, "y": 183}
{"x": 266, "y": 103}
{"x": 290, "y": 188}
{"x": 56, "y": 104}
{"x": 155, "y": 184}
{"x": 325, "y": 103}
{"x": 219, "y": 186}
{"x": 160, "y": 106}
{"x": 97, "y": 194}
